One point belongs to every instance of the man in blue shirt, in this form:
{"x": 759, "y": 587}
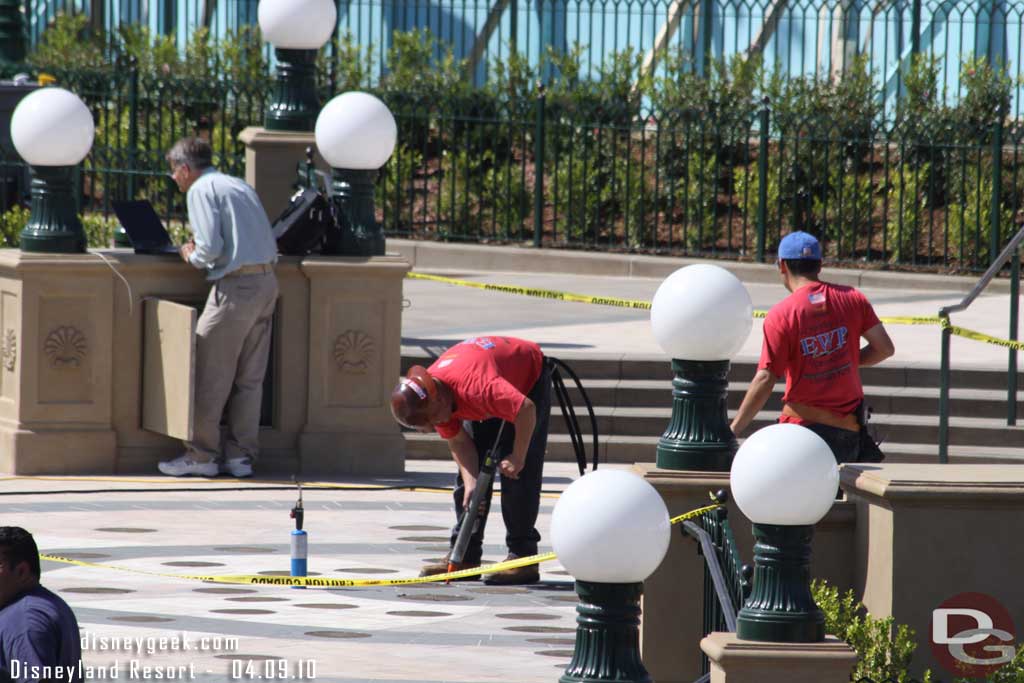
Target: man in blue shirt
{"x": 39, "y": 637}
{"x": 233, "y": 243}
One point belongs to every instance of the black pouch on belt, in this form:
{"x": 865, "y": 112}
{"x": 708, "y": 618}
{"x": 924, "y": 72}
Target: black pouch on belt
{"x": 869, "y": 450}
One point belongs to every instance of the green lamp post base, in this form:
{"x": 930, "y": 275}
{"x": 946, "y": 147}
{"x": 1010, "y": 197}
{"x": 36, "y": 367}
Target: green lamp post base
{"x": 698, "y": 436}
{"x": 780, "y": 608}
{"x": 53, "y": 226}
{"x": 295, "y": 105}
{"x": 607, "y": 635}
{"x": 359, "y": 233}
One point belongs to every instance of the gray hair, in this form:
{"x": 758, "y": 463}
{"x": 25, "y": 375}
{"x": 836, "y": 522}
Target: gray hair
{"x": 192, "y": 152}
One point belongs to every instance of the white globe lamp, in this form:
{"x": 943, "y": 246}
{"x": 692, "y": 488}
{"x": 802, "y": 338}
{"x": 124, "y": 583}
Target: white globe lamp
{"x": 610, "y": 530}
{"x": 297, "y": 29}
{"x": 700, "y": 316}
{"x": 784, "y": 478}
{"x": 356, "y": 134}
{"x": 53, "y": 131}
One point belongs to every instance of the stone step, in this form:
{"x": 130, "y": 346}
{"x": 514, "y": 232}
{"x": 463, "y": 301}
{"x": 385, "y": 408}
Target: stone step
{"x": 902, "y": 428}
{"x": 882, "y": 399}
{"x": 615, "y": 367}
{"x": 629, "y": 449}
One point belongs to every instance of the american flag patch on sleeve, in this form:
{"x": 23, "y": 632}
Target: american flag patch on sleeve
{"x": 816, "y": 297}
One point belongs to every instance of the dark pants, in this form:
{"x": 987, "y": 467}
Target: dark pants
{"x": 845, "y": 444}
{"x": 520, "y": 498}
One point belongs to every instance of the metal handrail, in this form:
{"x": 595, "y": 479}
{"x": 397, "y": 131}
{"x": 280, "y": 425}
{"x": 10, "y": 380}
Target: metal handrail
{"x": 945, "y": 311}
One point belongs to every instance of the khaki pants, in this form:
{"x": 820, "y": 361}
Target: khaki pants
{"x": 233, "y": 345}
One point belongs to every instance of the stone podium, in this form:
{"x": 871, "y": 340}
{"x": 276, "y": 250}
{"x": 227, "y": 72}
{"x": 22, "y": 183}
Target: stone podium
{"x": 72, "y": 355}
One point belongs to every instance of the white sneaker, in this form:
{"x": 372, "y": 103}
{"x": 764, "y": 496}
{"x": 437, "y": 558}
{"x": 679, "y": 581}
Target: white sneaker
{"x": 185, "y": 465}
{"x": 237, "y": 467}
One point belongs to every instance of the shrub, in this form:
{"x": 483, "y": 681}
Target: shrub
{"x": 12, "y": 222}
{"x": 907, "y": 209}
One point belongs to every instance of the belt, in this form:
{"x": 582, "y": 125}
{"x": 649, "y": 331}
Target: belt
{"x": 808, "y": 413}
{"x": 256, "y": 269}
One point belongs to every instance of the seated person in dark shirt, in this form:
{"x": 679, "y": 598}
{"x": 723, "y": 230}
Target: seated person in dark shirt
{"x": 39, "y": 639}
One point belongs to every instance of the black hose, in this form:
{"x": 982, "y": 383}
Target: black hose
{"x": 569, "y": 412}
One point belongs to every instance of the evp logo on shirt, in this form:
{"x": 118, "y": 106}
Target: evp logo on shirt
{"x": 824, "y": 344}
{"x": 482, "y": 342}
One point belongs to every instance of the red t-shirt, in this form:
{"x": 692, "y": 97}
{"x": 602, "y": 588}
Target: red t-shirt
{"x": 490, "y": 377}
{"x": 813, "y": 338}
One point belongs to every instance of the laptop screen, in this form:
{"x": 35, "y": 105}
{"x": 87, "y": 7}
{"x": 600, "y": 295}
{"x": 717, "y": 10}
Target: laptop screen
{"x": 143, "y": 225}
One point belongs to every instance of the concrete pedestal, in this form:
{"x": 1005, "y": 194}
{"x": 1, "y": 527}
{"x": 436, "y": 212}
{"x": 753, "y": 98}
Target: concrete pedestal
{"x": 271, "y": 157}
{"x": 672, "y": 600}
{"x": 71, "y": 358}
{"x": 942, "y": 530}
{"x": 745, "y": 661}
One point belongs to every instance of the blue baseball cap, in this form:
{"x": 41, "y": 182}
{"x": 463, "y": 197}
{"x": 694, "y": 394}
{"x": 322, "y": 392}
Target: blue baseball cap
{"x": 799, "y": 245}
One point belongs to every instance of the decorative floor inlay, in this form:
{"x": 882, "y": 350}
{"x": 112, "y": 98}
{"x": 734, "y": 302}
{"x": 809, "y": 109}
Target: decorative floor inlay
{"x": 140, "y": 619}
{"x": 243, "y": 611}
{"x": 552, "y": 641}
{"x": 563, "y": 598}
{"x": 555, "y": 653}
{"x": 189, "y": 563}
{"x": 417, "y": 527}
{"x": 499, "y": 590}
{"x": 126, "y": 530}
{"x": 100, "y": 590}
{"x": 223, "y": 591}
{"x": 257, "y": 598}
{"x": 337, "y": 634}
{"x": 436, "y": 597}
{"x": 245, "y": 549}
{"x": 425, "y": 539}
{"x": 540, "y": 629}
{"x": 529, "y": 616}
{"x": 366, "y": 570}
{"x": 432, "y": 548}
{"x": 326, "y": 605}
{"x": 418, "y": 613}
{"x": 83, "y": 556}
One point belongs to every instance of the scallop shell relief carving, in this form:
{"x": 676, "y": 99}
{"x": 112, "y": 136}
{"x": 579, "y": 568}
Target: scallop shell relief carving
{"x": 354, "y": 351}
{"x": 9, "y": 351}
{"x": 66, "y": 347}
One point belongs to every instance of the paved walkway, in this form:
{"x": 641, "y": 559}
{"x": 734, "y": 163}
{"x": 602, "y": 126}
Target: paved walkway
{"x": 429, "y": 632}
{"x": 439, "y": 315}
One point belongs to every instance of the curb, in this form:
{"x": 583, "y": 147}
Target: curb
{"x": 427, "y": 256}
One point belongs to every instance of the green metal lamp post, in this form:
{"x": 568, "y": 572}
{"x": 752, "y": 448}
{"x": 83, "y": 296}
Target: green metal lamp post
{"x": 784, "y": 479}
{"x": 701, "y": 315}
{"x": 12, "y": 33}
{"x": 297, "y": 29}
{"x": 610, "y": 530}
{"x": 356, "y": 135}
{"x": 52, "y": 130}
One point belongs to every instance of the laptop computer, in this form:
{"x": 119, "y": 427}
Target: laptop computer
{"x": 144, "y": 228}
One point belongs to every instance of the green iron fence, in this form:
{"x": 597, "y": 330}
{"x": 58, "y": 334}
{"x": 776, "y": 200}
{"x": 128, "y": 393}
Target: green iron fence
{"x": 558, "y": 169}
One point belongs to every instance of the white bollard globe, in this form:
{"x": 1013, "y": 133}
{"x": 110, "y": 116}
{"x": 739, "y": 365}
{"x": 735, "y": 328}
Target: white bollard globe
{"x": 610, "y": 526}
{"x": 52, "y": 127}
{"x": 356, "y": 131}
{"x": 784, "y": 474}
{"x": 701, "y": 312}
{"x": 297, "y": 24}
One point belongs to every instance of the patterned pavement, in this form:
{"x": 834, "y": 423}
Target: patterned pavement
{"x": 191, "y": 630}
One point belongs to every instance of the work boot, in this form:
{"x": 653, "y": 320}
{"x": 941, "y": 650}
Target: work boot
{"x": 441, "y": 567}
{"x": 513, "y": 577}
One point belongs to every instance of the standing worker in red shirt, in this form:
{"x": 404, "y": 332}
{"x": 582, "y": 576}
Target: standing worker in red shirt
{"x": 812, "y": 337}
{"x": 464, "y": 396}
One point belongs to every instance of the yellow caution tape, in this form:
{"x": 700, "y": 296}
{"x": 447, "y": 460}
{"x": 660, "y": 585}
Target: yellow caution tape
{"x": 330, "y": 582}
{"x": 646, "y": 305}
{"x": 980, "y": 336}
